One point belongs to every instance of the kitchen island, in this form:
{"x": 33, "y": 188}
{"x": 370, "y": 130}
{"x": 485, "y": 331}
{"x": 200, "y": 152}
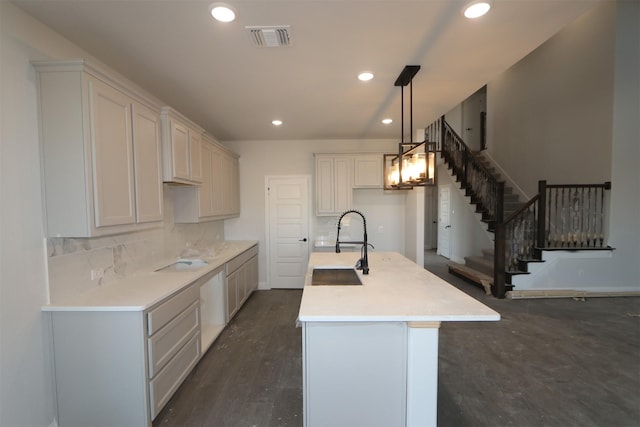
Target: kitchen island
{"x": 370, "y": 351}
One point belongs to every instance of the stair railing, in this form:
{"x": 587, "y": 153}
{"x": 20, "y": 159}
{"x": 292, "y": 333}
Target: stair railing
{"x": 485, "y": 191}
{"x": 515, "y": 240}
{"x": 559, "y": 217}
{"x": 574, "y": 216}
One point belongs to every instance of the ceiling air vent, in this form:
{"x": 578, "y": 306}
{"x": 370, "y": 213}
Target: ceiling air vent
{"x": 270, "y": 36}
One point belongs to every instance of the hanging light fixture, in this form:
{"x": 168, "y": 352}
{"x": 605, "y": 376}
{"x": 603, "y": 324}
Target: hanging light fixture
{"x": 414, "y": 164}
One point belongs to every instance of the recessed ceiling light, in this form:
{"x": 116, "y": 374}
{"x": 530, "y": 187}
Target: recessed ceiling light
{"x": 365, "y": 76}
{"x": 476, "y": 9}
{"x": 222, "y": 12}
{"x": 387, "y": 121}
{"x": 276, "y": 122}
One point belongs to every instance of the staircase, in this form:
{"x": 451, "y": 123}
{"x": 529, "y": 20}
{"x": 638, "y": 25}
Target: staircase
{"x": 561, "y": 217}
{"x": 479, "y": 269}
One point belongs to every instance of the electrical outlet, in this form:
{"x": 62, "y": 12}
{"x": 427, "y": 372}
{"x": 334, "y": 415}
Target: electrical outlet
{"x": 380, "y": 229}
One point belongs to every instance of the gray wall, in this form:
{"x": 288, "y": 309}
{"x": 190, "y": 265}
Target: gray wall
{"x": 26, "y": 397}
{"x": 568, "y": 113}
{"x": 550, "y": 115}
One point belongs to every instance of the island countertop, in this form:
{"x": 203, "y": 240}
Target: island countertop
{"x": 396, "y": 289}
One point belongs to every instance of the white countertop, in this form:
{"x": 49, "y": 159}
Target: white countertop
{"x": 396, "y": 289}
{"x": 144, "y": 289}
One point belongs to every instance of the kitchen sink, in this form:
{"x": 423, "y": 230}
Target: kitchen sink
{"x": 335, "y": 277}
{"x": 184, "y": 265}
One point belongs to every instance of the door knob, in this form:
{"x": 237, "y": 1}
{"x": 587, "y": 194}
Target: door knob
{"x": 447, "y": 226}
{"x": 303, "y": 240}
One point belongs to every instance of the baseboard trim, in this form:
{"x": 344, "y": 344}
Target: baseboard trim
{"x": 567, "y": 293}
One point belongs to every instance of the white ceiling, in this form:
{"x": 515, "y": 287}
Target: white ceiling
{"x": 212, "y": 73}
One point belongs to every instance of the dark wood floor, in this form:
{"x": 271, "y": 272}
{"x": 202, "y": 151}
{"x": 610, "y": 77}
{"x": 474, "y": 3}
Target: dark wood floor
{"x": 251, "y": 375}
{"x": 561, "y": 362}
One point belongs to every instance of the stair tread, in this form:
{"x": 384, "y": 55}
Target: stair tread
{"x": 474, "y": 275}
{"x": 480, "y": 263}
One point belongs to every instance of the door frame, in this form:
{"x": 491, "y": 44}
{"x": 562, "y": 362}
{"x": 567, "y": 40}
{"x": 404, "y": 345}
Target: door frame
{"x": 440, "y": 233}
{"x": 267, "y": 216}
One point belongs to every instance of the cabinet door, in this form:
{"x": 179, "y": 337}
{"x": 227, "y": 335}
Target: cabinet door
{"x": 147, "y": 164}
{"x": 195, "y": 163}
{"x": 231, "y": 186}
{"x": 206, "y": 193}
{"x": 112, "y": 155}
{"x": 217, "y": 166}
{"x": 180, "y": 150}
{"x": 252, "y": 274}
{"x": 343, "y": 185}
{"x": 324, "y": 185}
{"x": 363, "y": 359}
{"x": 232, "y": 294}
{"x": 368, "y": 171}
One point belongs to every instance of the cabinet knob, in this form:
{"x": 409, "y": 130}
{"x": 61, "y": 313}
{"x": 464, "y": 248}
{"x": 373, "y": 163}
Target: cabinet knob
{"x": 303, "y": 240}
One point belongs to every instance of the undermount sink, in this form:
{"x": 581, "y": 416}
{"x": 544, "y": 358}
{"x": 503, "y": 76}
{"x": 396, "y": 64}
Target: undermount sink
{"x": 184, "y": 265}
{"x": 335, "y": 277}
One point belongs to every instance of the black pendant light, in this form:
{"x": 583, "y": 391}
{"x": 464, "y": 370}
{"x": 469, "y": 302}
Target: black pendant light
{"x": 414, "y": 164}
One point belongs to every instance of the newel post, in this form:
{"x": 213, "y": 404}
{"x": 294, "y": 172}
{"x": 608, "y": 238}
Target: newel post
{"x": 499, "y": 249}
{"x": 542, "y": 215}
{"x": 499, "y": 289}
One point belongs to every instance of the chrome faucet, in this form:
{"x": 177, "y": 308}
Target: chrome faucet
{"x": 363, "y": 262}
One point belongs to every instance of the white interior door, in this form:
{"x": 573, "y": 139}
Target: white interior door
{"x": 288, "y": 230}
{"x": 444, "y": 223}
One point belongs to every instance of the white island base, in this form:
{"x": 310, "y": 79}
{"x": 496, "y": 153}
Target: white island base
{"x": 370, "y": 352}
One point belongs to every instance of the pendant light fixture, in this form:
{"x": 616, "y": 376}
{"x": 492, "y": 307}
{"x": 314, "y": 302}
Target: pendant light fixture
{"x": 414, "y": 165}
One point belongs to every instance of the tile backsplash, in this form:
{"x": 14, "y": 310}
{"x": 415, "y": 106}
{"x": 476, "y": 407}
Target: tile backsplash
{"x": 71, "y": 261}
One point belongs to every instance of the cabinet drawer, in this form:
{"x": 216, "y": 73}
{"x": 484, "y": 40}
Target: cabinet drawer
{"x": 170, "y": 339}
{"x": 162, "y": 387}
{"x": 236, "y": 262}
{"x": 161, "y": 315}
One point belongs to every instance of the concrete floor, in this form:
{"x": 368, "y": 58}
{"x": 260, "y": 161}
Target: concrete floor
{"x": 560, "y": 362}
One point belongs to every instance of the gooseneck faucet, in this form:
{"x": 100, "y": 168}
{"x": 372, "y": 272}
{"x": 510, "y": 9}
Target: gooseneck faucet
{"x": 363, "y": 263}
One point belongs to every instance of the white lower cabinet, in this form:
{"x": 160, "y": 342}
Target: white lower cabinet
{"x": 373, "y": 374}
{"x": 354, "y": 374}
{"x": 119, "y": 368}
{"x": 162, "y": 387}
{"x": 242, "y": 279}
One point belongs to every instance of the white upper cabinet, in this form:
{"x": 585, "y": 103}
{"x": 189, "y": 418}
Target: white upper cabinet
{"x": 147, "y": 157}
{"x": 334, "y": 184}
{"x": 205, "y": 192}
{"x": 181, "y": 148}
{"x": 195, "y": 156}
{"x": 218, "y": 197}
{"x": 368, "y": 171}
{"x": 100, "y": 152}
{"x": 231, "y": 184}
{"x": 178, "y": 147}
{"x": 112, "y": 147}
